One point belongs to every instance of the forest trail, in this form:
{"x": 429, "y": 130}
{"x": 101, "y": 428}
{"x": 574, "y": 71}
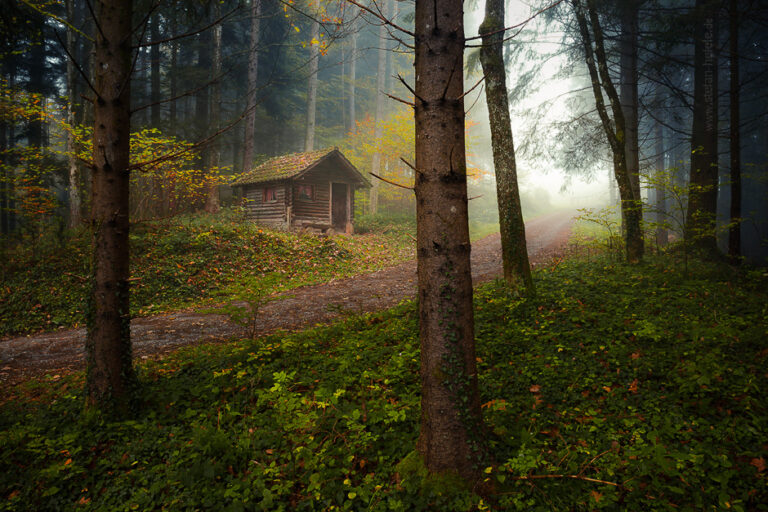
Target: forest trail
{"x": 62, "y": 351}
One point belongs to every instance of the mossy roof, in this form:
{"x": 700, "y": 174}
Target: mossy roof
{"x": 290, "y": 166}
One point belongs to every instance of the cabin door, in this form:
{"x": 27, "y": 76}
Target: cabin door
{"x": 339, "y": 201}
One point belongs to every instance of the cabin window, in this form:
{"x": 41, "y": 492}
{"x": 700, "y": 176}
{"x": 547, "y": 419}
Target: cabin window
{"x": 305, "y": 192}
{"x": 269, "y": 194}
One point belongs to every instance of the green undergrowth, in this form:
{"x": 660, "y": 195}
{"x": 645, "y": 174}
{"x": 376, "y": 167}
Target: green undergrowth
{"x": 183, "y": 262}
{"x": 617, "y": 388}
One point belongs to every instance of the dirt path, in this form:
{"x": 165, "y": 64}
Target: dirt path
{"x": 62, "y": 351}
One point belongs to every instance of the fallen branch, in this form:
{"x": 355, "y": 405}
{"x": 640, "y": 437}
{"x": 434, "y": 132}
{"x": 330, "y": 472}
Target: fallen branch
{"x": 573, "y": 477}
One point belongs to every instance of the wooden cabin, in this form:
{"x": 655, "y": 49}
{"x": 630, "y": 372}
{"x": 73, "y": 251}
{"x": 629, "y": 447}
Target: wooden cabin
{"x": 313, "y": 190}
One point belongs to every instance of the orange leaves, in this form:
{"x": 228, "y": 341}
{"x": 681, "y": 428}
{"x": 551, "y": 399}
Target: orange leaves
{"x": 759, "y": 464}
{"x": 633, "y": 387}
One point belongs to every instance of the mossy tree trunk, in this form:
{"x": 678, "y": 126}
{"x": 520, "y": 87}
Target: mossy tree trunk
{"x": 110, "y": 375}
{"x": 514, "y": 252}
{"x": 615, "y": 129}
{"x": 451, "y": 438}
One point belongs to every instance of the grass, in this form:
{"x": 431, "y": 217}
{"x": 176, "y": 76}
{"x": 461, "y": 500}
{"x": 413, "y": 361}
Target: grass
{"x": 618, "y": 388}
{"x": 183, "y": 262}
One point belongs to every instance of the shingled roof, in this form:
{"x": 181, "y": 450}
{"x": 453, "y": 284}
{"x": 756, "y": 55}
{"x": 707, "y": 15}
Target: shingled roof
{"x": 287, "y": 166}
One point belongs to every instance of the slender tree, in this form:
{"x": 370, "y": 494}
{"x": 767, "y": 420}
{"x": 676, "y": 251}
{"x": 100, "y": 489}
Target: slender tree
{"x": 615, "y": 129}
{"x": 628, "y": 92}
{"x": 214, "y": 158}
{"x": 352, "y": 75}
{"x": 74, "y": 171}
{"x": 703, "y": 182}
{"x": 110, "y": 374}
{"x": 451, "y": 438}
{"x": 734, "y": 233}
{"x": 314, "y": 61}
{"x": 514, "y": 252}
{"x": 381, "y": 80}
{"x": 251, "y": 94}
{"x": 662, "y": 178}
{"x": 154, "y": 66}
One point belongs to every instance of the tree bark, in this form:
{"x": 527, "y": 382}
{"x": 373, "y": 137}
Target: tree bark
{"x": 702, "y": 195}
{"x": 381, "y": 81}
{"x": 74, "y": 171}
{"x": 628, "y": 92}
{"x": 734, "y": 232}
{"x": 615, "y": 130}
{"x": 214, "y": 159}
{"x": 451, "y": 436}
{"x": 173, "y": 82}
{"x": 4, "y": 179}
{"x": 110, "y": 376}
{"x": 514, "y": 252}
{"x": 314, "y": 58}
{"x": 662, "y": 179}
{"x": 353, "y": 78}
{"x": 154, "y": 65}
{"x": 253, "y": 75}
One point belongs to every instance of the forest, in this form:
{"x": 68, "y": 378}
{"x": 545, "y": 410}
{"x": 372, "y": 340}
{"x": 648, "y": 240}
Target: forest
{"x": 383, "y": 255}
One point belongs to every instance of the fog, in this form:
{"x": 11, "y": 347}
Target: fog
{"x": 544, "y": 183}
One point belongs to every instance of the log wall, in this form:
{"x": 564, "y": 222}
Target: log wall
{"x": 272, "y": 213}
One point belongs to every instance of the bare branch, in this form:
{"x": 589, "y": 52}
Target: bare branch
{"x": 471, "y": 88}
{"x": 519, "y": 25}
{"x": 61, "y": 20}
{"x": 574, "y": 477}
{"x": 474, "y": 102}
{"x": 95, "y": 19}
{"x": 382, "y": 18}
{"x": 406, "y": 162}
{"x": 76, "y": 64}
{"x": 390, "y": 182}
{"x": 188, "y": 34}
{"x": 400, "y": 100}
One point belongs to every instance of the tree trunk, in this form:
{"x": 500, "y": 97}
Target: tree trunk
{"x": 662, "y": 180}
{"x": 4, "y": 179}
{"x": 74, "y": 172}
{"x": 628, "y": 92}
{"x": 314, "y": 61}
{"x": 202, "y": 97}
{"x": 514, "y": 252}
{"x": 702, "y": 195}
{"x": 214, "y": 159}
{"x": 734, "y": 232}
{"x": 352, "y": 78}
{"x": 173, "y": 85}
{"x": 110, "y": 377}
{"x": 253, "y": 75}
{"x": 154, "y": 64}
{"x": 615, "y": 130}
{"x": 381, "y": 81}
{"x": 451, "y": 439}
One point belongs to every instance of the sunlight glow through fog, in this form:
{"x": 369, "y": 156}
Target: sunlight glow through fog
{"x": 534, "y": 173}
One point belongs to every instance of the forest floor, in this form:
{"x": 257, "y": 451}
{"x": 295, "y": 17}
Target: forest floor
{"x": 60, "y": 352}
